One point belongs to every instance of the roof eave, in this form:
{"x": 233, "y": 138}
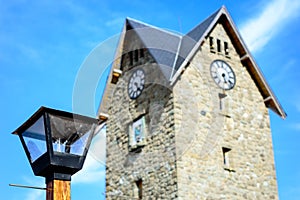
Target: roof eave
{"x": 256, "y": 74}
{"x": 196, "y": 47}
{"x": 104, "y": 103}
{"x": 245, "y": 54}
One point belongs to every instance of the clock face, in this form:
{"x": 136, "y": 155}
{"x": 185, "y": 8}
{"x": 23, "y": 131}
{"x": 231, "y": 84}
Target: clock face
{"x": 136, "y": 84}
{"x": 222, "y": 74}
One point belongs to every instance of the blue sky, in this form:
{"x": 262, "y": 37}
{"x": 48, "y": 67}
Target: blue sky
{"x": 43, "y": 50}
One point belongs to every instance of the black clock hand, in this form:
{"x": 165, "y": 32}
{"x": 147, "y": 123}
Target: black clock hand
{"x": 223, "y": 75}
{"x": 137, "y": 86}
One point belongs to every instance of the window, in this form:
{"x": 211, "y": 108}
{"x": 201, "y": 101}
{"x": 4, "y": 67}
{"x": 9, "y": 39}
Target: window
{"x": 226, "y": 159}
{"x": 222, "y": 99}
{"x": 142, "y": 53}
{"x": 136, "y": 55}
{"x": 131, "y": 57}
{"x": 226, "y": 49}
{"x": 137, "y": 133}
{"x": 211, "y": 43}
{"x": 219, "y": 45}
{"x": 225, "y": 156}
{"x": 122, "y": 61}
{"x": 138, "y": 192}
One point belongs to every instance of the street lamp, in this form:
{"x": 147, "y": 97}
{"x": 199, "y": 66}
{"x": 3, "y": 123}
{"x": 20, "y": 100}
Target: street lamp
{"x": 56, "y": 143}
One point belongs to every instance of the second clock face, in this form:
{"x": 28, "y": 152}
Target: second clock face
{"x": 222, "y": 74}
{"x": 136, "y": 84}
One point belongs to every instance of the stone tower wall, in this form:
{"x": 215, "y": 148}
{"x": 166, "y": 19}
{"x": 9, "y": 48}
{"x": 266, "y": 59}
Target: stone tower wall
{"x": 212, "y": 125}
{"x": 190, "y": 130}
{"x": 154, "y": 162}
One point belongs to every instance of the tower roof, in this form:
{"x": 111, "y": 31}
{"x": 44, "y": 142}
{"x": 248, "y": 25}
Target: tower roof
{"x": 161, "y": 44}
{"x": 173, "y": 52}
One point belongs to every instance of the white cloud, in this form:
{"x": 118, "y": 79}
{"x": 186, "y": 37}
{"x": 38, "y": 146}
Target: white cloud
{"x": 261, "y": 28}
{"x": 98, "y": 146}
{"x": 94, "y": 165}
{"x": 35, "y": 194}
{"x": 284, "y": 71}
{"x": 92, "y": 172}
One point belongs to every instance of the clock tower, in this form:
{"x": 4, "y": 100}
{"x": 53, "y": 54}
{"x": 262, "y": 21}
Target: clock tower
{"x": 187, "y": 115}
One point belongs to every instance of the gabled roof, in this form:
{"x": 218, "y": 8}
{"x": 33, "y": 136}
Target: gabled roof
{"x": 189, "y": 40}
{"x": 172, "y": 52}
{"x": 161, "y": 44}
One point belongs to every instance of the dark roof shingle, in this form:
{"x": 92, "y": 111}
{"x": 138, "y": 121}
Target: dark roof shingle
{"x": 162, "y": 45}
{"x": 169, "y": 49}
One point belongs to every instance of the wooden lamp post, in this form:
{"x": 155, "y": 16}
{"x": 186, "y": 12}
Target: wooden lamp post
{"x": 56, "y": 144}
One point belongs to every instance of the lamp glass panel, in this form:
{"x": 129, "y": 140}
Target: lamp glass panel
{"x": 70, "y": 135}
{"x": 35, "y": 139}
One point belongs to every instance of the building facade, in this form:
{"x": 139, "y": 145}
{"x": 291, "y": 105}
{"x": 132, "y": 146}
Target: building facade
{"x": 187, "y": 116}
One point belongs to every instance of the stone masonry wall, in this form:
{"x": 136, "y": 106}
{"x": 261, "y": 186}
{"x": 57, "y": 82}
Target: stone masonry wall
{"x": 188, "y": 127}
{"x": 206, "y": 121}
{"x": 153, "y": 163}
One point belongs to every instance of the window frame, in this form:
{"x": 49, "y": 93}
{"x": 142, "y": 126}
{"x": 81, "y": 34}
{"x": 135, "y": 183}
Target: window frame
{"x": 141, "y": 141}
